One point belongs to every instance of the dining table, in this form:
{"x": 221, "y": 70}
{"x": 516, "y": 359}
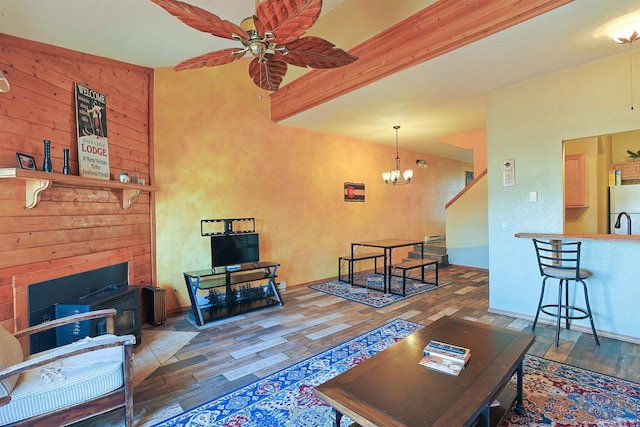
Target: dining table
{"x": 387, "y": 245}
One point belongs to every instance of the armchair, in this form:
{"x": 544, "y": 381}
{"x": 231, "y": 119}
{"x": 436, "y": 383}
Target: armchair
{"x": 66, "y": 384}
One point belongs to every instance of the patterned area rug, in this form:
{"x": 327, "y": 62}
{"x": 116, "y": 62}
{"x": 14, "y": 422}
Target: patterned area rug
{"x": 555, "y": 394}
{"x": 371, "y": 291}
{"x": 562, "y": 395}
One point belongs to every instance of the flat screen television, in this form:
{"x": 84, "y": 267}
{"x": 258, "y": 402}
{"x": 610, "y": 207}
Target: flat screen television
{"x": 232, "y": 249}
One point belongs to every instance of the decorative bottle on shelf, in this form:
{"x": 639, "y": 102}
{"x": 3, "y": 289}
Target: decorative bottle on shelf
{"x": 46, "y": 165}
{"x": 65, "y": 168}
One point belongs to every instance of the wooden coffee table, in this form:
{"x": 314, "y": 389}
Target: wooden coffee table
{"x": 392, "y": 389}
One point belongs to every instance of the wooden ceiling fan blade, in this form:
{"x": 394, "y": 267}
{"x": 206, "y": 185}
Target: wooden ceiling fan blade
{"x": 315, "y": 52}
{"x": 267, "y": 75}
{"x": 201, "y": 19}
{"x": 211, "y": 59}
{"x": 286, "y": 19}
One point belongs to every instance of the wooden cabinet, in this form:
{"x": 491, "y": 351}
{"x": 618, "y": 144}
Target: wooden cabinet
{"x": 575, "y": 181}
{"x": 628, "y": 171}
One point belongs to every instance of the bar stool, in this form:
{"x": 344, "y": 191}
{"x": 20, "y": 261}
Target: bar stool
{"x": 561, "y": 260}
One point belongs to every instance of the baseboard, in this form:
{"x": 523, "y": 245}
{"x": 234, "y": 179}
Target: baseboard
{"x": 584, "y": 329}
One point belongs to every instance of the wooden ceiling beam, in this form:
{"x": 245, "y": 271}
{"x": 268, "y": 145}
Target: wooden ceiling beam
{"x": 440, "y": 28}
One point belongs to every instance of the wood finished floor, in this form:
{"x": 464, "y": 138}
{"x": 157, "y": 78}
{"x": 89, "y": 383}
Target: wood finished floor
{"x": 234, "y": 352}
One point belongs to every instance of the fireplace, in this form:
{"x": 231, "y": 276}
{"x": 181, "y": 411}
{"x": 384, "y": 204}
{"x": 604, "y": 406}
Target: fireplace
{"x": 124, "y": 299}
{"x": 58, "y": 293}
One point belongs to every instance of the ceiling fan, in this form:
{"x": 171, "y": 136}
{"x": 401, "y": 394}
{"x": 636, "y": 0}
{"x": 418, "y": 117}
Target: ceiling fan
{"x": 273, "y": 36}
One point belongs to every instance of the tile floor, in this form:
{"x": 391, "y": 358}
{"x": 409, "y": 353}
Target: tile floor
{"x": 179, "y": 366}
{"x": 158, "y": 347}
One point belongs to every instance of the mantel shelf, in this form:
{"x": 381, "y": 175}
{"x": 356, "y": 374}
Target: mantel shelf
{"x": 36, "y": 182}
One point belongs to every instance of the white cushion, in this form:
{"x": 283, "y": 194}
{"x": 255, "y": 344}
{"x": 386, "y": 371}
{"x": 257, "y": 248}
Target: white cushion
{"x": 81, "y": 378}
{"x": 10, "y": 354}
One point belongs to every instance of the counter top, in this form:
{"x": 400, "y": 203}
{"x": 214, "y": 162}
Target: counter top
{"x": 617, "y": 237}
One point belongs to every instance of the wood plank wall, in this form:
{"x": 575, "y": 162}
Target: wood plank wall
{"x": 71, "y": 222}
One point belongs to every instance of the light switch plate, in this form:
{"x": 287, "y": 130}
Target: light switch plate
{"x": 533, "y": 196}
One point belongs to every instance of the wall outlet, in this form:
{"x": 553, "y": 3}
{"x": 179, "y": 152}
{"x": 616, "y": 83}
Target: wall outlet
{"x": 282, "y": 286}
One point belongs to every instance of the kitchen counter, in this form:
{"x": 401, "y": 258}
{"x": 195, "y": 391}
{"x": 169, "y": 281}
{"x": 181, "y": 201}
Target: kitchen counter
{"x": 614, "y": 287}
{"x": 618, "y": 237}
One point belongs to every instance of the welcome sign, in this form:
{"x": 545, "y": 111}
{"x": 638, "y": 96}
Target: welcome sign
{"x": 93, "y": 143}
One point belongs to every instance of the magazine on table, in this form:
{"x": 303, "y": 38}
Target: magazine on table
{"x": 441, "y": 364}
{"x": 447, "y": 351}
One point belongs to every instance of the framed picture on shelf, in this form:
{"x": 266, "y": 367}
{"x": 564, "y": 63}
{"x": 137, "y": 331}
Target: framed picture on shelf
{"x": 26, "y": 161}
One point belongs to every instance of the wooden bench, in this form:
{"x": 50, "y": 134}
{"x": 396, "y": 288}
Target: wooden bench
{"x": 412, "y": 264}
{"x": 357, "y": 257}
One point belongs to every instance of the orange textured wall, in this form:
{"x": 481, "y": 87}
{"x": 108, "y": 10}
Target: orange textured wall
{"x": 218, "y": 155}
{"x": 476, "y": 140}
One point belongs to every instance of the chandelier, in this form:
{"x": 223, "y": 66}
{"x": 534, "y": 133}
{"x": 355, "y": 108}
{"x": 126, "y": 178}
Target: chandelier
{"x": 393, "y": 177}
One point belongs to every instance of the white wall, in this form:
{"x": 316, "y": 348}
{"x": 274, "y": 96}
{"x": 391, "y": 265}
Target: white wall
{"x": 528, "y": 122}
{"x": 466, "y": 228}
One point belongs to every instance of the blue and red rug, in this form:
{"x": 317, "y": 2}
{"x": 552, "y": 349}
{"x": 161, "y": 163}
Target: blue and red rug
{"x": 555, "y": 394}
{"x": 370, "y": 291}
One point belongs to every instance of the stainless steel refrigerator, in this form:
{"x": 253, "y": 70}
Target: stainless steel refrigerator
{"x": 624, "y": 199}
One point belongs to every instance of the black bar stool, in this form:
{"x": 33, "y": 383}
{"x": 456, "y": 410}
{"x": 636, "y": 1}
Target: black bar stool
{"x": 561, "y": 260}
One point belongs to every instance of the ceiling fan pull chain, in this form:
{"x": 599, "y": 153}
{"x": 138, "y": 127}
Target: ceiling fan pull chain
{"x": 631, "y": 76}
{"x": 260, "y": 67}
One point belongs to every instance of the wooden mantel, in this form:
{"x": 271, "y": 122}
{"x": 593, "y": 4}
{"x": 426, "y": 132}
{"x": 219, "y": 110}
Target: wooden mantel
{"x": 36, "y": 182}
{"x": 444, "y": 26}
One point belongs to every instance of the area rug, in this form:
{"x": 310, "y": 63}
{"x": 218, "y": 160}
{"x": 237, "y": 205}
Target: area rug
{"x": 371, "y": 291}
{"x": 556, "y": 394}
{"x": 562, "y": 395}
{"x": 286, "y": 398}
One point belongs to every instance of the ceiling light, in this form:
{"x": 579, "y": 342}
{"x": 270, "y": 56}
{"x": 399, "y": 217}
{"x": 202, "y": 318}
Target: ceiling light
{"x": 393, "y": 177}
{"x": 422, "y": 163}
{"x": 623, "y": 30}
{"x": 628, "y": 38}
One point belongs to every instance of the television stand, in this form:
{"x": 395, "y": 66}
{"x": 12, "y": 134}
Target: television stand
{"x": 219, "y": 293}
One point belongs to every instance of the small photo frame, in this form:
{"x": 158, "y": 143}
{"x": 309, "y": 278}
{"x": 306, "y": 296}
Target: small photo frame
{"x": 26, "y": 161}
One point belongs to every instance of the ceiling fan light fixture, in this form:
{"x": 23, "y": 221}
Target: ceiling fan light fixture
{"x": 393, "y": 177}
{"x": 623, "y": 30}
{"x": 626, "y": 38}
{"x": 257, "y": 49}
{"x": 273, "y": 36}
